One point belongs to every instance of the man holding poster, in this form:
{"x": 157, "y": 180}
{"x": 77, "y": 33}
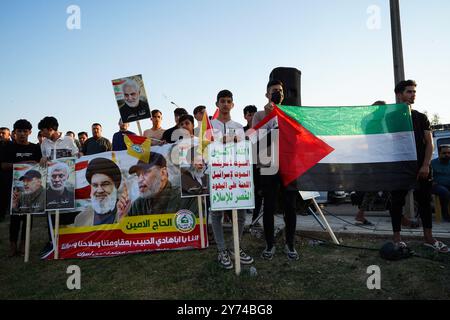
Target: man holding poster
{"x": 228, "y": 132}
{"x": 20, "y": 151}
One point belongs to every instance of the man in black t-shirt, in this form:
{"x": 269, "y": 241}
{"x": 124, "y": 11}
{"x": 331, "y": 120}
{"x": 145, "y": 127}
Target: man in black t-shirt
{"x": 406, "y": 93}
{"x": 19, "y": 151}
{"x": 167, "y": 135}
{"x": 5, "y": 186}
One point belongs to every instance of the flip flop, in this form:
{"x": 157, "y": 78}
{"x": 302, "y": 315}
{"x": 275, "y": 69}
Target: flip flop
{"x": 438, "y": 246}
{"x": 365, "y": 223}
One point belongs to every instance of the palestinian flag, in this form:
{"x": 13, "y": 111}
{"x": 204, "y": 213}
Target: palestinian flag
{"x": 138, "y": 147}
{"x": 363, "y": 148}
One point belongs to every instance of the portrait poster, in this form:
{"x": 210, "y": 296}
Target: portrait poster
{"x": 231, "y": 176}
{"x": 154, "y": 217}
{"x": 60, "y": 194}
{"x": 194, "y": 173}
{"x": 131, "y": 98}
{"x": 28, "y": 189}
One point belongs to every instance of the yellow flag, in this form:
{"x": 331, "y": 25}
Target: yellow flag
{"x": 138, "y": 147}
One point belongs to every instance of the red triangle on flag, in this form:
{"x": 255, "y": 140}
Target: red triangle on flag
{"x": 299, "y": 149}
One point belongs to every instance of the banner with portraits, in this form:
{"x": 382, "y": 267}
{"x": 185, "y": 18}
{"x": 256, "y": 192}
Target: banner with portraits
{"x": 127, "y": 206}
{"x": 131, "y": 98}
{"x": 28, "y": 189}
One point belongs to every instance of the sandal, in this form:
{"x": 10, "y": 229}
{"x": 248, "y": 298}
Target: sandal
{"x": 365, "y": 222}
{"x": 438, "y": 246}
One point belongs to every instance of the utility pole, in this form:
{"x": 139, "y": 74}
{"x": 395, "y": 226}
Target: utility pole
{"x": 399, "y": 74}
{"x": 397, "y": 49}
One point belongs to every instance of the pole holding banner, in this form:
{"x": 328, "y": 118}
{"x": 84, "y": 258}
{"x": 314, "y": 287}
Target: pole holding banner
{"x": 27, "y": 238}
{"x": 56, "y": 256}
{"x": 237, "y": 257}
{"x": 200, "y": 218}
{"x": 139, "y": 128}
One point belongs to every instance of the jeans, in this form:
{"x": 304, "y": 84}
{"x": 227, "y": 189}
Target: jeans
{"x": 217, "y": 227}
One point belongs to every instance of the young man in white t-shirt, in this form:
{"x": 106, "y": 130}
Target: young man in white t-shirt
{"x": 227, "y": 130}
{"x": 54, "y": 146}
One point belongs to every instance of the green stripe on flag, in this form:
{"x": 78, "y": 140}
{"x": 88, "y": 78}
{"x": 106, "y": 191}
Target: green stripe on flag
{"x": 358, "y": 120}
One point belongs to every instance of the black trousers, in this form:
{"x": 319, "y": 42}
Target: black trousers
{"x": 258, "y": 192}
{"x": 15, "y": 227}
{"x": 423, "y": 197}
{"x": 271, "y": 185}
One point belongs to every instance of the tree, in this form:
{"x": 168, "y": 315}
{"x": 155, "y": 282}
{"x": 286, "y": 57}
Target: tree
{"x": 435, "y": 120}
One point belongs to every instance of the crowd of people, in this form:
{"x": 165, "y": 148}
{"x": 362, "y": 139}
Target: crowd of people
{"x": 53, "y": 144}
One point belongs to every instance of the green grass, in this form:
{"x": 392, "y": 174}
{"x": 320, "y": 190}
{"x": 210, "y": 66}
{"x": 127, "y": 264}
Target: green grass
{"x": 323, "y": 272}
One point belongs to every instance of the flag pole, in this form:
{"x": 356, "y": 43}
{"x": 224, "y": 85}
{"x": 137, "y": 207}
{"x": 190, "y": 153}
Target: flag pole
{"x": 330, "y": 231}
{"x": 139, "y": 127}
{"x": 27, "y": 239}
{"x": 237, "y": 257}
{"x": 200, "y": 217}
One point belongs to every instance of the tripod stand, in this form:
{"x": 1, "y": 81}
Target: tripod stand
{"x": 306, "y": 196}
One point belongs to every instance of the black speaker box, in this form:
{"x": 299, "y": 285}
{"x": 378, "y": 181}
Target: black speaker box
{"x": 291, "y": 81}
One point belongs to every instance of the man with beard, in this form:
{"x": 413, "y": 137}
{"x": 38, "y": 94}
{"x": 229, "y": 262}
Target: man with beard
{"x": 32, "y": 199}
{"x": 194, "y": 180}
{"x": 156, "y": 194}
{"x": 58, "y": 196}
{"x": 105, "y": 177}
{"x": 441, "y": 178}
{"x": 134, "y": 108}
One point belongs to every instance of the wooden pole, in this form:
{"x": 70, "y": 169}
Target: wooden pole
{"x": 237, "y": 257}
{"x": 27, "y": 238}
{"x": 200, "y": 217}
{"x": 56, "y": 255}
{"x": 330, "y": 231}
{"x": 139, "y": 128}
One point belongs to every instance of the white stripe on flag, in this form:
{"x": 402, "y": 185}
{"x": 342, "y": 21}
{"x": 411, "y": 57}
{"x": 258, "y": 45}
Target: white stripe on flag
{"x": 373, "y": 148}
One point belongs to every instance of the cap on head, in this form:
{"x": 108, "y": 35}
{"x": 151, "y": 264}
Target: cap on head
{"x": 156, "y": 159}
{"x": 106, "y": 167}
{"x": 30, "y": 174}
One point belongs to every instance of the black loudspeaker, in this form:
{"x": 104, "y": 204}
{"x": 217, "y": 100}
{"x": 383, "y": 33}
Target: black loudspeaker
{"x": 291, "y": 84}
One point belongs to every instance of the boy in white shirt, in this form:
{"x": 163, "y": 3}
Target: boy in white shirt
{"x": 227, "y": 130}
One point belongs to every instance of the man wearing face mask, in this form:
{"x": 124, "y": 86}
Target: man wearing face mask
{"x": 271, "y": 183}
{"x": 441, "y": 179}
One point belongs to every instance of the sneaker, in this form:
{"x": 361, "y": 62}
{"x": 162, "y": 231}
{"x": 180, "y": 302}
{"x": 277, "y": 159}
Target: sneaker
{"x": 224, "y": 260}
{"x": 245, "y": 258}
{"x": 268, "y": 254}
{"x": 46, "y": 250}
{"x": 291, "y": 254}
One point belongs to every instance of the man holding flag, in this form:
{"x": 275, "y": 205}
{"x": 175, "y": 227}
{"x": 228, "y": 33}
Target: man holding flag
{"x": 272, "y": 182}
{"x": 406, "y": 93}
